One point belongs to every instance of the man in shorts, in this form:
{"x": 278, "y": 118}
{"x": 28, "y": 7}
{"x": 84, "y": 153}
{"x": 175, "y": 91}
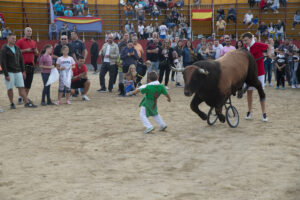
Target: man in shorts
{"x": 80, "y": 79}
{"x": 256, "y": 49}
{"x": 14, "y": 71}
{"x": 28, "y": 48}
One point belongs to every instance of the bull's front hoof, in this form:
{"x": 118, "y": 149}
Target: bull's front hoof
{"x": 221, "y": 118}
{"x": 203, "y": 116}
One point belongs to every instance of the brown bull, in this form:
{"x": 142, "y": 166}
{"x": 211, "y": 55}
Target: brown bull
{"x": 214, "y": 81}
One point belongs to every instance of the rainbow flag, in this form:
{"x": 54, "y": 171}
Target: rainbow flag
{"x": 202, "y": 14}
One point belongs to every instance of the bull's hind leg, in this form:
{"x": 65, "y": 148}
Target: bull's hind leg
{"x": 194, "y": 106}
{"x": 219, "y": 113}
{"x": 257, "y": 84}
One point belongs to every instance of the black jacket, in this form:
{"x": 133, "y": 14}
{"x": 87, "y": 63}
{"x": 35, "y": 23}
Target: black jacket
{"x": 94, "y": 50}
{"x": 11, "y": 62}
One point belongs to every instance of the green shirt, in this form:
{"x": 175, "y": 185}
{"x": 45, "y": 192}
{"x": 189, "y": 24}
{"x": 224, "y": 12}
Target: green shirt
{"x": 152, "y": 91}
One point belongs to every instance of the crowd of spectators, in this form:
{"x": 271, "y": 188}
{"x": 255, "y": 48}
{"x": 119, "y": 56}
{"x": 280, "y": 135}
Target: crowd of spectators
{"x": 174, "y": 24}
{"x": 78, "y": 8}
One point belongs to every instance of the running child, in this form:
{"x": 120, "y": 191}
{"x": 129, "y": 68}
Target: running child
{"x": 65, "y": 64}
{"x": 149, "y": 103}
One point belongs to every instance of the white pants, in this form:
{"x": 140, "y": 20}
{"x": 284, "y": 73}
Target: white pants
{"x": 178, "y": 65}
{"x": 147, "y": 123}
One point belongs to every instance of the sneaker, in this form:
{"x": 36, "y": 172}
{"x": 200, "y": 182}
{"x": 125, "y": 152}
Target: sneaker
{"x": 283, "y": 88}
{"x": 101, "y": 90}
{"x": 95, "y": 72}
{"x": 163, "y": 128}
{"x": 20, "y": 100}
{"x": 270, "y": 84}
{"x": 148, "y": 130}
{"x": 172, "y": 79}
{"x": 110, "y": 91}
{"x": 1, "y": 110}
{"x": 264, "y": 117}
{"x": 12, "y": 106}
{"x": 85, "y": 98}
{"x": 293, "y": 86}
{"x": 29, "y": 105}
{"x": 297, "y": 86}
{"x": 70, "y": 97}
{"x": 74, "y": 95}
{"x": 167, "y": 88}
{"x": 58, "y": 103}
{"x": 248, "y": 116}
{"x": 43, "y": 103}
{"x": 277, "y": 87}
{"x": 179, "y": 85}
{"x": 50, "y": 103}
{"x": 68, "y": 102}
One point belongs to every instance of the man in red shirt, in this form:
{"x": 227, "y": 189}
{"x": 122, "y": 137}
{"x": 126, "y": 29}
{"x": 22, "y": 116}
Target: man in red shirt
{"x": 80, "y": 79}
{"x": 256, "y": 49}
{"x": 29, "y": 50}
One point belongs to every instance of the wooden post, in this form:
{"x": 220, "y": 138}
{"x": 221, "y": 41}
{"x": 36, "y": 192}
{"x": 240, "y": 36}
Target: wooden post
{"x": 213, "y": 17}
{"x": 285, "y": 15}
{"x": 236, "y": 35}
{"x": 23, "y": 15}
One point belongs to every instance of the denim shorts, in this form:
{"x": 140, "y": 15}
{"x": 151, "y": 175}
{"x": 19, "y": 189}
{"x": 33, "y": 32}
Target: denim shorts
{"x": 16, "y": 79}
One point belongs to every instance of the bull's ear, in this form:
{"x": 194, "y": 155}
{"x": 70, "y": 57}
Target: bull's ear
{"x": 203, "y": 71}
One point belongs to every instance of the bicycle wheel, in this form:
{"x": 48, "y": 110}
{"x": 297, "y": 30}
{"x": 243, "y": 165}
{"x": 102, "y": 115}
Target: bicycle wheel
{"x": 211, "y": 117}
{"x": 232, "y": 117}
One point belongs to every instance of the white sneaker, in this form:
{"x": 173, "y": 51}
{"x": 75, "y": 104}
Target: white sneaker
{"x": 293, "y": 86}
{"x": 264, "y": 117}
{"x": 297, "y": 86}
{"x": 163, "y": 128}
{"x": 270, "y": 84}
{"x": 248, "y": 116}
{"x": 85, "y": 98}
{"x": 167, "y": 88}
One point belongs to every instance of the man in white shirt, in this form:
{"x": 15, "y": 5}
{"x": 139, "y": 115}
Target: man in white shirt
{"x": 217, "y": 47}
{"x": 141, "y": 31}
{"x": 248, "y": 18}
{"x": 110, "y": 54}
{"x": 163, "y": 31}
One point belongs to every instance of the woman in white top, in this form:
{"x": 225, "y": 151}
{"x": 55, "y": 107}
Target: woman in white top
{"x": 271, "y": 30}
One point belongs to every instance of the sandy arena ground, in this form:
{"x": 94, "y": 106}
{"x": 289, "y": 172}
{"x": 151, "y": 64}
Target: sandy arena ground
{"x": 96, "y": 150}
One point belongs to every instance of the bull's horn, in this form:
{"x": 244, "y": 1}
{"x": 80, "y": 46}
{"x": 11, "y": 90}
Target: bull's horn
{"x": 203, "y": 71}
{"x": 177, "y": 69}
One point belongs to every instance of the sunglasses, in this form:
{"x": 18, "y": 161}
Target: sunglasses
{"x": 63, "y": 38}
{"x": 227, "y": 38}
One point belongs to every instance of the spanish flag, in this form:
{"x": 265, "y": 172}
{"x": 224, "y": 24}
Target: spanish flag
{"x": 79, "y": 20}
{"x": 202, "y": 14}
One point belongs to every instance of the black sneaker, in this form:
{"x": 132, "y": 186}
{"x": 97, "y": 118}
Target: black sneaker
{"x": 179, "y": 85}
{"x": 20, "y": 100}
{"x": 101, "y": 90}
{"x": 75, "y": 95}
{"x": 12, "y": 106}
{"x": 50, "y": 103}
{"x": 29, "y": 105}
{"x": 43, "y": 103}
{"x": 110, "y": 91}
